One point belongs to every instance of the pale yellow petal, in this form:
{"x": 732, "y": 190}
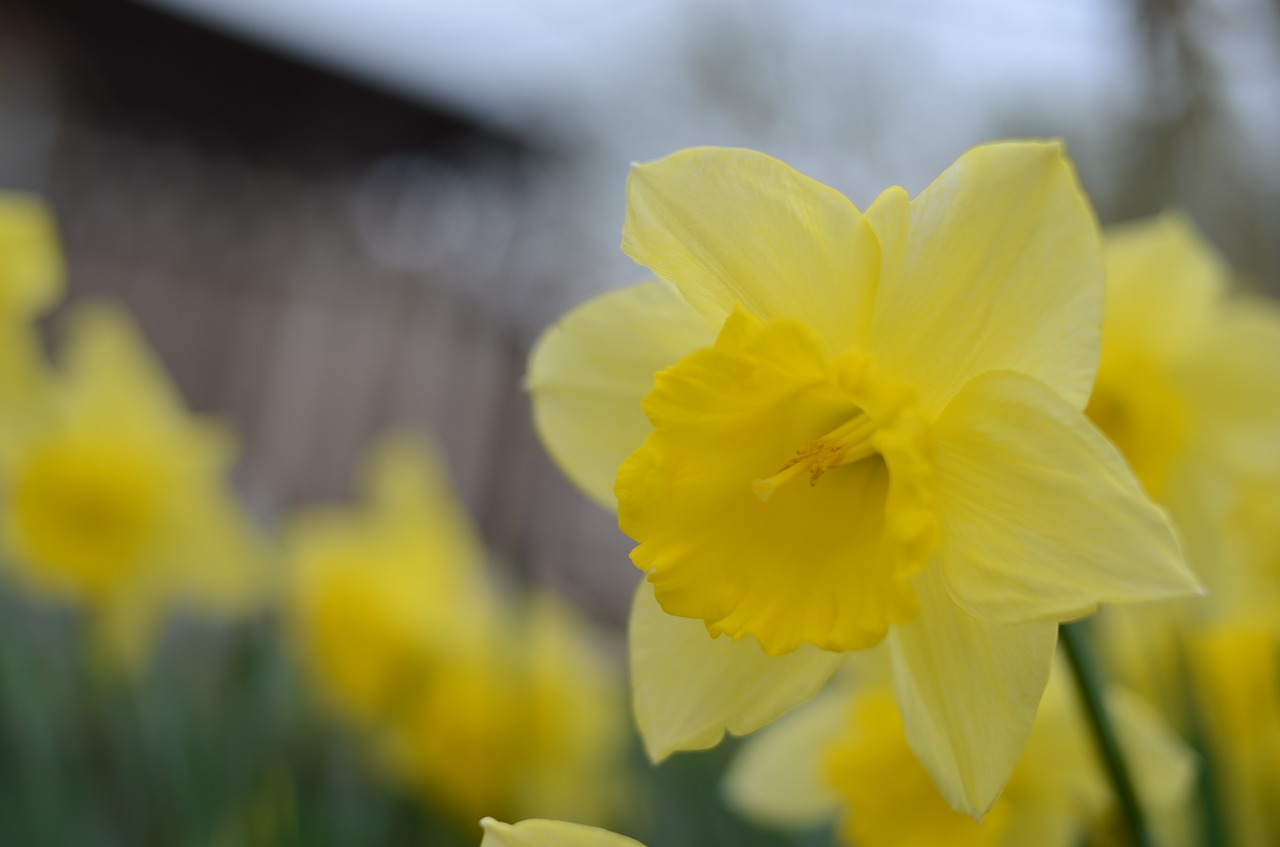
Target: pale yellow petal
{"x": 116, "y": 380}
{"x": 889, "y": 799}
{"x": 1164, "y": 304}
{"x": 215, "y": 560}
{"x": 1163, "y": 767}
{"x": 777, "y": 778}
{"x": 689, "y": 689}
{"x": 411, "y": 498}
{"x": 997, "y": 266}
{"x": 577, "y": 718}
{"x": 736, "y": 227}
{"x": 589, "y": 372}
{"x": 540, "y": 833}
{"x": 968, "y": 690}
{"x": 1043, "y": 827}
{"x": 1164, "y": 282}
{"x": 31, "y": 269}
{"x": 1234, "y": 382}
{"x": 1058, "y": 787}
{"x": 1040, "y": 517}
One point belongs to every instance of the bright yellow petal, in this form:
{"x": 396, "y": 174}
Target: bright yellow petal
{"x": 589, "y": 372}
{"x": 539, "y": 833}
{"x": 690, "y": 688}
{"x": 1040, "y": 518}
{"x": 777, "y": 776}
{"x": 968, "y": 690}
{"x": 31, "y": 270}
{"x": 736, "y": 227}
{"x": 996, "y": 265}
{"x": 822, "y": 562}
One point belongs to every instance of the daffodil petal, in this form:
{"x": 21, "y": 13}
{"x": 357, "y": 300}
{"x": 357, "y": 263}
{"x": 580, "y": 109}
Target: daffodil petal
{"x": 997, "y": 267}
{"x": 1164, "y": 282}
{"x": 968, "y": 690}
{"x": 1040, "y": 518}
{"x": 689, "y": 688}
{"x": 540, "y": 833}
{"x": 31, "y": 269}
{"x": 777, "y": 776}
{"x": 738, "y": 227}
{"x": 1235, "y": 383}
{"x": 589, "y": 372}
{"x": 1059, "y": 784}
{"x": 117, "y": 381}
{"x": 1163, "y": 767}
{"x": 411, "y": 498}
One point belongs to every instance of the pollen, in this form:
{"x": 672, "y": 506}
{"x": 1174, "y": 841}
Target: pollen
{"x": 849, "y": 443}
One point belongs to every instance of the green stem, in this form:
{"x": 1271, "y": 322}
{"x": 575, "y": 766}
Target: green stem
{"x": 1077, "y": 645}
{"x": 1214, "y": 825}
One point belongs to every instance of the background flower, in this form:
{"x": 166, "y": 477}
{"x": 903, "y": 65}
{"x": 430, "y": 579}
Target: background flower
{"x": 476, "y": 701}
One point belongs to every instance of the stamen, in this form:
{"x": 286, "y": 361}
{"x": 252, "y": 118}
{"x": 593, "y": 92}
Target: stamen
{"x": 847, "y": 443}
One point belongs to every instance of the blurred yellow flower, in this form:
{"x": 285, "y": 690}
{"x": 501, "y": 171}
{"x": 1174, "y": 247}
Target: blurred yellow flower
{"x": 1236, "y": 672}
{"x": 855, "y": 425}
{"x": 31, "y": 268}
{"x": 378, "y": 590}
{"x": 118, "y": 500}
{"x": 31, "y": 278}
{"x": 476, "y": 703}
{"x": 545, "y": 833}
{"x": 1188, "y": 383}
{"x": 846, "y": 756}
{"x": 1189, "y": 389}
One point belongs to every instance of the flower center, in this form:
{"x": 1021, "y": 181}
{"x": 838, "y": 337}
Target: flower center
{"x": 843, "y": 445}
{"x": 82, "y": 512}
{"x": 725, "y": 532}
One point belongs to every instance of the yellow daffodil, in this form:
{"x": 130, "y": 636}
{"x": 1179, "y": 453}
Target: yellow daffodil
{"x": 118, "y": 502}
{"x": 378, "y": 590}
{"x": 31, "y": 277}
{"x": 1189, "y": 389}
{"x": 475, "y": 702}
{"x": 845, "y": 756}
{"x": 830, "y": 426}
{"x": 544, "y": 833}
{"x": 1188, "y": 384}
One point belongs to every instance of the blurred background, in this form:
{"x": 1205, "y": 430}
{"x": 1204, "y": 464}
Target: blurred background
{"x": 333, "y": 218}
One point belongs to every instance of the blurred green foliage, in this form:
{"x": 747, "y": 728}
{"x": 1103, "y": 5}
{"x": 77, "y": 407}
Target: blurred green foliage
{"x": 218, "y": 743}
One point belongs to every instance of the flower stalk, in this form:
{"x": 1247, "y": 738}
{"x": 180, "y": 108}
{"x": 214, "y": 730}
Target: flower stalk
{"x": 1076, "y": 642}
